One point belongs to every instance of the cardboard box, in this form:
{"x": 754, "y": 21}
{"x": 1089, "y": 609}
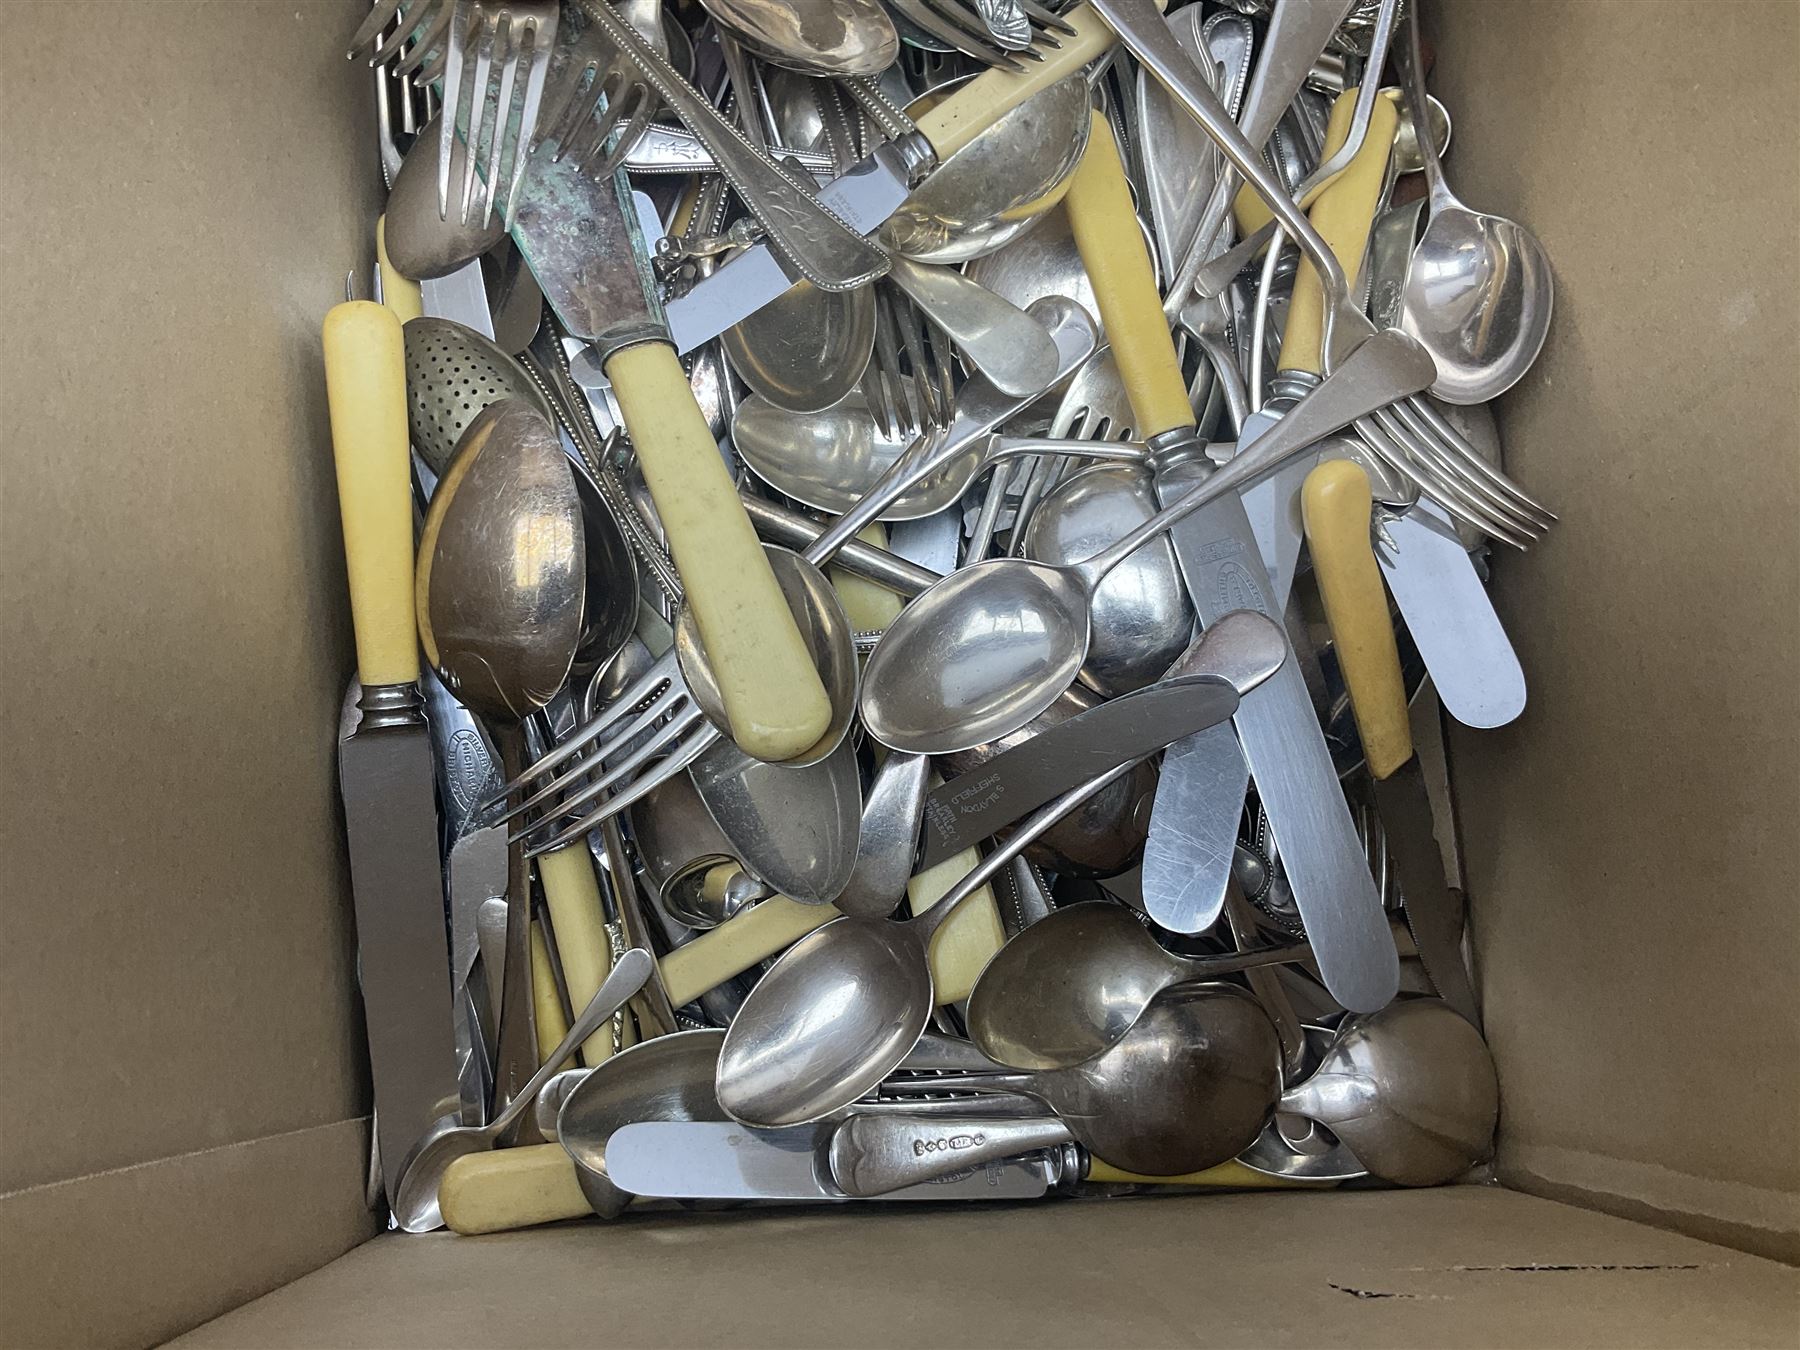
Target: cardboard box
{"x": 186, "y": 1128}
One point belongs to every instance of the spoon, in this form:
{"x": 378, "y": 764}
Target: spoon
{"x": 840, "y": 38}
{"x": 1410, "y": 1089}
{"x": 420, "y": 245}
{"x": 1189, "y": 1087}
{"x": 991, "y": 646}
{"x": 892, "y": 812}
{"x": 840, "y": 1010}
{"x": 1141, "y": 615}
{"x": 1073, "y": 984}
{"x": 415, "y": 1201}
{"x": 836, "y": 460}
{"x": 1000, "y": 184}
{"x": 501, "y": 581}
{"x": 1479, "y": 292}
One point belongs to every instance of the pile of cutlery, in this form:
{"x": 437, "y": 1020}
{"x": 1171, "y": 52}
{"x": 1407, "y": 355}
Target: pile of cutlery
{"x": 908, "y": 577}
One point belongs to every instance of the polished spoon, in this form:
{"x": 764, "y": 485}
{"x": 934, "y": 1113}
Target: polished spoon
{"x": 499, "y": 596}
{"x": 1073, "y": 984}
{"x": 1479, "y": 292}
{"x": 844, "y": 1005}
{"x": 1410, "y": 1089}
{"x": 991, "y": 646}
{"x": 415, "y": 1201}
{"x": 1191, "y": 1086}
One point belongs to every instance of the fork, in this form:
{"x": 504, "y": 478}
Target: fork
{"x": 481, "y": 33}
{"x": 580, "y": 127}
{"x": 964, "y": 28}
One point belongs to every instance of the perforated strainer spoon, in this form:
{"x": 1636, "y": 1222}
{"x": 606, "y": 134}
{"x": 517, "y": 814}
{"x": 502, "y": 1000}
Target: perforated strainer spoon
{"x": 452, "y": 373}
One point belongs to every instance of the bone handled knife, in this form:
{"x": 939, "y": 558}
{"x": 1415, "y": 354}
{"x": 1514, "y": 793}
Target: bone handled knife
{"x": 582, "y": 239}
{"x": 1337, "y": 505}
{"x": 390, "y": 801}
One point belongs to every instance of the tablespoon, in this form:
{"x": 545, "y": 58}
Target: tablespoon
{"x": 416, "y": 1197}
{"x": 991, "y": 646}
{"x": 1479, "y": 292}
{"x": 1191, "y": 1085}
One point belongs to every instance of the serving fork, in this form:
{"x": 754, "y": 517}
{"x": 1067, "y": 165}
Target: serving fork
{"x": 485, "y": 34}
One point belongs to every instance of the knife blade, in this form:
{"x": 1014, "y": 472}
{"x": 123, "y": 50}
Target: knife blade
{"x": 871, "y": 190}
{"x": 1217, "y": 553}
{"x": 385, "y": 763}
{"x": 1199, "y": 801}
{"x": 722, "y": 1160}
{"x": 974, "y": 805}
{"x": 1451, "y": 617}
{"x": 582, "y": 239}
{"x": 1338, "y": 505}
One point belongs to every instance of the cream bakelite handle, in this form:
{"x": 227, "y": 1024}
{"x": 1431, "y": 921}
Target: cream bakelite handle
{"x": 774, "y": 700}
{"x": 572, "y": 894}
{"x": 988, "y": 97}
{"x": 1343, "y": 215}
{"x": 365, "y": 384}
{"x": 511, "y": 1188}
{"x": 1117, "y": 263}
{"x": 969, "y": 936}
{"x": 1336, "y": 505}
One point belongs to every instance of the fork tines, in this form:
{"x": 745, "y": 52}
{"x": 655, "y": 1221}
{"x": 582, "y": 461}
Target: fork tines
{"x": 964, "y": 26}
{"x": 483, "y": 34}
{"x": 603, "y": 94}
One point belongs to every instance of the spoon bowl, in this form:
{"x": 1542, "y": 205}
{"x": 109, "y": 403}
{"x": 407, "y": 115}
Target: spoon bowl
{"x": 841, "y": 39}
{"x": 669, "y": 1078}
{"x": 1411, "y": 1091}
{"x": 420, "y": 245}
{"x": 977, "y": 656}
{"x": 1000, "y": 184}
{"x": 1072, "y": 985}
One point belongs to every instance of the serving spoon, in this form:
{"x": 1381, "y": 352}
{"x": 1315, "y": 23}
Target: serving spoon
{"x": 991, "y": 646}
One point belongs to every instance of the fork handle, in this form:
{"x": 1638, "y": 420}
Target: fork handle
{"x": 988, "y": 97}
{"x": 774, "y": 700}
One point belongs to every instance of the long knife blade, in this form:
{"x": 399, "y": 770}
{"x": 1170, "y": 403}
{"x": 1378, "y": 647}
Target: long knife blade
{"x": 1434, "y": 913}
{"x": 385, "y": 767}
{"x": 1451, "y": 617}
{"x": 974, "y": 805}
{"x": 1285, "y": 750}
{"x": 702, "y": 1159}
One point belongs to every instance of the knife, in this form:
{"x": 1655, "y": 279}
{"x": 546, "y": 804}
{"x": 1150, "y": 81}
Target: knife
{"x": 873, "y": 189}
{"x": 722, "y": 1160}
{"x": 1201, "y": 689}
{"x": 1337, "y": 505}
{"x": 1219, "y": 561}
{"x": 1450, "y": 616}
{"x": 581, "y": 237}
{"x": 390, "y": 802}
{"x": 1199, "y": 800}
